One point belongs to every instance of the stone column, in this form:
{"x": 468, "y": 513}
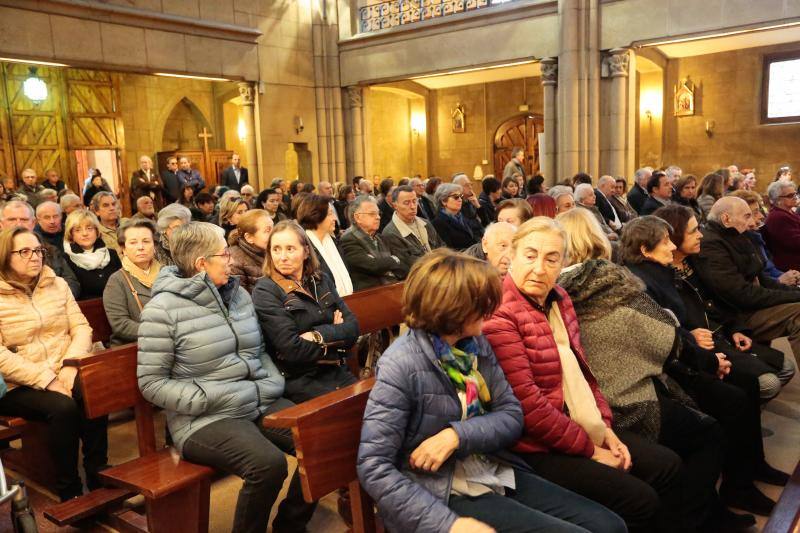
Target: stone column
{"x": 569, "y": 88}
{"x": 356, "y": 140}
{"x": 247, "y": 93}
{"x": 617, "y": 62}
{"x": 549, "y": 67}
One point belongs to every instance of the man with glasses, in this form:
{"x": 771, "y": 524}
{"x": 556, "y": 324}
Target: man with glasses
{"x": 368, "y": 259}
{"x": 782, "y": 227}
{"x": 408, "y": 236}
{"x": 20, "y": 214}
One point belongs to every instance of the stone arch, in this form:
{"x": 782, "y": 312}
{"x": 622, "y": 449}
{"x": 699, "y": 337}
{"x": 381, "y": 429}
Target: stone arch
{"x": 182, "y": 125}
{"x": 520, "y": 131}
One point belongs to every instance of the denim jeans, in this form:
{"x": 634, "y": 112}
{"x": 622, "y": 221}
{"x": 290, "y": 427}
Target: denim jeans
{"x": 256, "y": 454}
{"x": 538, "y": 505}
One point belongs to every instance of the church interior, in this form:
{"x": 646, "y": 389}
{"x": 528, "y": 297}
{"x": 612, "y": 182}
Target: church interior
{"x": 326, "y": 90}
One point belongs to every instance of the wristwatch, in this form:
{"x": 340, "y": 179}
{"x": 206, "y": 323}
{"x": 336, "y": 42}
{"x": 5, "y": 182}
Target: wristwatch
{"x": 317, "y": 337}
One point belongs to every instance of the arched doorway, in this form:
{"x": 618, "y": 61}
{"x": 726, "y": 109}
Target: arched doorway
{"x": 520, "y": 131}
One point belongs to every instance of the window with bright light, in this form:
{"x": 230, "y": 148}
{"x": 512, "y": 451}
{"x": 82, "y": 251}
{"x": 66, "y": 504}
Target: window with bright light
{"x": 781, "y": 89}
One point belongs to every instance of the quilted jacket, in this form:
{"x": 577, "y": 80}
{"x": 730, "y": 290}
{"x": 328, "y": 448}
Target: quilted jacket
{"x": 526, "y": 350}
{"x": 38, "y": 331}
{"x": 200, "y": 360}
{"x": 412, "y": 400}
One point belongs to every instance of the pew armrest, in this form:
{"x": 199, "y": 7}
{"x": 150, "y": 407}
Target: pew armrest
{"x": 96, "y": 357}
{"x": 288, "y": 418}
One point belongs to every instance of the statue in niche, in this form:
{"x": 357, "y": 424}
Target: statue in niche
{"x": 459, "y": 118}
{"x": 684, "y": 98}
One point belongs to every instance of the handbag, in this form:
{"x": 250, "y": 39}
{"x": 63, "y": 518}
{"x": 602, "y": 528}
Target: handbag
{"x": 133, "y": 290}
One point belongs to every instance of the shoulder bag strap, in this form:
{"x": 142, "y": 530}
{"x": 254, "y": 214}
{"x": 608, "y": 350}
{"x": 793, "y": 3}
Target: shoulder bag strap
{"x": 133, "y": 291}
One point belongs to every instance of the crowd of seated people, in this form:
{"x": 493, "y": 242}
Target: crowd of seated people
{"x": 516, "y": 399}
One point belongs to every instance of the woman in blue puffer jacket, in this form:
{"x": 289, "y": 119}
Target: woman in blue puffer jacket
{"x": 441, "y": 415}
{"x": 201, "y": 358}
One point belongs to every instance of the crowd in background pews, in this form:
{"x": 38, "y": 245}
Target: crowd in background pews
{"x": 227, "y": 289}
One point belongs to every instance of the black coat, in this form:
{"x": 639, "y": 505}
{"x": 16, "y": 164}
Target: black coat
{"x": 728, "y": 264}
{"x": 341, "y": 212}
{"x": 386, "y": 213}
{"x": 425, "y": 208}
{"x": 228, "y": 179}
{"x": 369, "y": 260}
{"x": 660, "y": 282}
{"x": 409, "y": 249}
{"x": 474, "y": 216}
{"x": 93, "y": 282}
{"x": 172, "y": 186}
{"x": 458, "y": 236}
{"x": 605, "y": 208}
{"x": 286, "y": 310}
{"x": 489, "y": 207}
{"x": 650, "y": 206}
{"x": 636, "y": 197}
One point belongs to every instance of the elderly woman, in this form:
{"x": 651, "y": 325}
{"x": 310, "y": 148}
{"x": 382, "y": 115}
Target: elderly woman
{"x": 202, "y": 359}
{"x": 170, "y": 218}
{"x": 441, "y": 415}
{"x": 568, "y": 436}
{"x": 686, "y": 194}
{"x": 306, "y": 324}
{"x": 40, "y": 326}
{"x": 128, "y": 289}
{"x": 563, "y": 196}
{"x": 585, "y": 198}
{"x": 87, "y": 255}
{"x": 510, "y": 188}
{"x": 316, "y": 215}
{"x": 456, "y": 232}
{"x": 248, "y": 244}
{"x": 647, "y": 250}
{"x": 782, "y": 227}
{"x": 366, "y": 256}
{"x": 631, "y": 369}
{"x": 515, "y": 211}
{"x": 231, "y": 209}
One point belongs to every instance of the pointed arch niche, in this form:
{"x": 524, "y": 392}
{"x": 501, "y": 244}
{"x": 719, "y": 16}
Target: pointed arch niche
{"x": 182, "y": 127}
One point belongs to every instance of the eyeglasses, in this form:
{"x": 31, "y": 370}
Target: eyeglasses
{"x": 226, "y": 255}
{"x": 27, "y": 253}
{"x": 456, "y": 196}
{"x": 787, "y": 196}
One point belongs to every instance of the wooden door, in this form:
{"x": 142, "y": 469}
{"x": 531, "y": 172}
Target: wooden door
{"x": 520, "y": 131}
{"x": 6, "y": 150}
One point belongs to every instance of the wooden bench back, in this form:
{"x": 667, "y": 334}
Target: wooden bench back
{"x": 109, "y": 383}
{"x": 95, "y": 313}
{"x": 377, "y": 308}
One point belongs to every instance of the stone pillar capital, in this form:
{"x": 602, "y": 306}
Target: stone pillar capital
{"x": 617, "y": 61}
{"x": 247, "y": 92}
{"x": 549, "y": 66}
{"x": 354, "y": 96}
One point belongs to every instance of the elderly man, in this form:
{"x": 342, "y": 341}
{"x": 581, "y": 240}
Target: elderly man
{"x": 104, "y": 205}
{"x": 408, "y": 236}
{"x": 368, "y": 258}
{"x": 495, "y": 246}
{"x": 471, "y": 208}
{"x": 425, "y": 207}
{"x": 189, "y": 176}
{"x": 20, "y": 214}
{"x": 517, "y": 163}
{"x": 385, "y": 203}
{"x": 69, "y": 203}
{"x": 48, "y": 223}
{"x": 638, "y": 193}
{"x": 365, "y": 187}
{"x": 30, "y": 188}
{"x": 172, "y": 185}
{"x": 325, "y": 189}
{"x": 734, "y": 271}
{"x": 603, "y": 194}
{"x": 248, "y": 194}
{"x": 146, "y": 182}
{"x": 673, "y": 173}
{"x": 53, "y": 181}
{"x": 235, "y": 176}
{"x": 781, "y": 230}
{"x": 145, "y": 208}
{"x": 585, "y": 198}
{"x": 660, "y": 190}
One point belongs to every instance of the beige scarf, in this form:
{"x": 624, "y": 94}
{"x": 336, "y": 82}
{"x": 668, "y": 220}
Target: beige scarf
{"x": 577, "y": 393}
{"x": 146, "y": 278}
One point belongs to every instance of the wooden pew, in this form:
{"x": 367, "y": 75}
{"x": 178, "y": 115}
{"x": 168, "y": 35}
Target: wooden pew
{"x": 176, "y": 492}
{"x": 327, "y": 429}
{"x": 95, "y": 313}
{"x": 785, "y": 518}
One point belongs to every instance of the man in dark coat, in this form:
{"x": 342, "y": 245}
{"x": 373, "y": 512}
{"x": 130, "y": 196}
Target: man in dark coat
{"x": 172, "y": 185}
{"x": 235, "y": 176}
{"x": 53, "y": 181}
{"x": 408, "y": 236}
{"x": 146, "y": 182}
{"x": 659, "y": 190}
{"x": 638, "y": 193}
{"x": 189, "y": 176}
{"x": 603, "y": 194}
{"x": 366, "y": 256}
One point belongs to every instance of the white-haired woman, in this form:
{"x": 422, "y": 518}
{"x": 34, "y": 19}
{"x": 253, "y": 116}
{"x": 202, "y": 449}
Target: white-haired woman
{"x": 450, "y": 224}
{"x": 87, "y": 255}
{"x": 169, "y": 218}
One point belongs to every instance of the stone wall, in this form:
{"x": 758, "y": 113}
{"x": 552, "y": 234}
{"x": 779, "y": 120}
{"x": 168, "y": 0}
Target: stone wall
{"x": 729, "y": 87}
{"x": 389, "y": 130}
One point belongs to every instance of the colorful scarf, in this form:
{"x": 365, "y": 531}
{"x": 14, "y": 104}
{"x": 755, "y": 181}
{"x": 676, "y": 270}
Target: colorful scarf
{"x": 461, "y": 365}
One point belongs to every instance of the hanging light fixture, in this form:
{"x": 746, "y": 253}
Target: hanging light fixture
{"x": 34, "y": 88}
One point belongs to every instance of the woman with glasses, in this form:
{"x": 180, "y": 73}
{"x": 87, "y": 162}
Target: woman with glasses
{"x": 449, "y": 223}
{"x": 40, "y": 326}
{"x": 87, "y": 255}
{"x": 202, "y": 359}
{"x": 782, "y": 226}
{"x": 306, "y": 324}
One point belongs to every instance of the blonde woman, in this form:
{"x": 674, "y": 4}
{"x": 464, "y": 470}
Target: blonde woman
{"x": 87, "y": 255}
{"x": 230, "y": 211}
{"x": 248, "y": 246}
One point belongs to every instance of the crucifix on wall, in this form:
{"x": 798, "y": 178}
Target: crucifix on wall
{"x": 205, "y": 135}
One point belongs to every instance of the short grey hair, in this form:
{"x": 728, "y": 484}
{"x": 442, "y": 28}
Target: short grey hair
{"x": 606, "y": 179}
{"x": 248, "y": 188}
{"x": 443, "y": 191}
{"x": 192, "y": 241}
{"x": 672, "y": 169}
{"x": 641, "y": 174}
{"x": 48, "y": 192}
{"x": 95, "y": 203}
{"x": 775, "y": 190}
{"x": 495, "y": 227}
{"x": 170, "y": 214}
{"x": 356, "y": 204}
{"x": 726, "y": 204}
{"x": 46, "y": 204}
{"x": 413, "y": 182}
{"x": 557, "y": 191}
{"x": 68, "y": 199}
{"x": 16, "y": 203}
{"x": 583, "y": 191}
{"x": 460, "y": 178}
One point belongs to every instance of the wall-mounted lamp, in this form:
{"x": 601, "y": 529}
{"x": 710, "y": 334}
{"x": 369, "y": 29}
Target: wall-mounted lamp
{"x": 710, "y": 125}
{"x": 34, "y": 88}
{"x": 241, "y": 130}
{"x": 649, "y": 115}
{"x": 651, "y": 103}
{"x": 298, "y": 124}
{"x": 417, "y": 123}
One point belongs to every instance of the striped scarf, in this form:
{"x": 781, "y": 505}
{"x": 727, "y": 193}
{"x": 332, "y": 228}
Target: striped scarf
{"x": 461, "y": 365}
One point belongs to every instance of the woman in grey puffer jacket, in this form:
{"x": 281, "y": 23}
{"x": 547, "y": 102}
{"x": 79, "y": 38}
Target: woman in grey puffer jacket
{"x": 201, "y": 358}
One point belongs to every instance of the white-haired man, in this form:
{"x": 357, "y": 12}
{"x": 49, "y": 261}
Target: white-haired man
{"x": 638, "y": 193}
{"x": 146, "y": 182}
{"x": 495, "y": 246}
{"x": 603, "y": 194}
